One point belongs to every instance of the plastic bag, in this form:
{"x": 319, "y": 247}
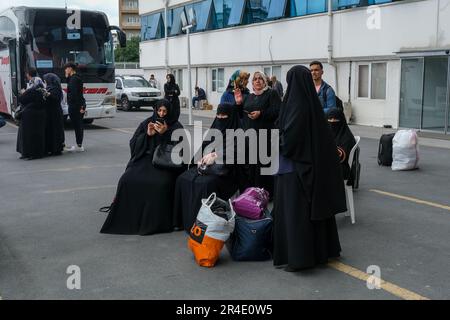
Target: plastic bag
{"x": 405, "y": 150}
{"x": 215, "y": 223}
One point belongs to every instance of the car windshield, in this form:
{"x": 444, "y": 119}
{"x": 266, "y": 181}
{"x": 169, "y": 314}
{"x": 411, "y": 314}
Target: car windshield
{"x": 136, "y": 83}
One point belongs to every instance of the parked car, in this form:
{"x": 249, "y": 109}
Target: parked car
{"x": 135, "y": 92}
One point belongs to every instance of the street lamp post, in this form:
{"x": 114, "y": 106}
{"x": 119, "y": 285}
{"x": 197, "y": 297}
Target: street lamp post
{"x": 188, "y": 24}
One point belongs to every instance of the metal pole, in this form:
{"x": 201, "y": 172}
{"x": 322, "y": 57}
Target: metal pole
{"x": 189, "y": 76}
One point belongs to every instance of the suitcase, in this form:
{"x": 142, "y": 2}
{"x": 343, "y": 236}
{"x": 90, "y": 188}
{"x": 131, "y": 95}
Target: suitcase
{"x": 385, "y": 150}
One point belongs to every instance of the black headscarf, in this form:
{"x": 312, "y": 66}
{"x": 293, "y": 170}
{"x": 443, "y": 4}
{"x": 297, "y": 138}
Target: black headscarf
{"x": 306, "y": 139}
{"x": 232, "y": 122}
{"x": 54, "y": 85}
{"x": 171, "y": 85}
{"x": 170, "y": 117}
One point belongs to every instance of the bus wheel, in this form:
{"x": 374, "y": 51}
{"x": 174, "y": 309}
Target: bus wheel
{"x": 126, "y": 105}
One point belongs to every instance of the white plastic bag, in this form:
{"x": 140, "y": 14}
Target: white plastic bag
{"x": 405, "y": 150}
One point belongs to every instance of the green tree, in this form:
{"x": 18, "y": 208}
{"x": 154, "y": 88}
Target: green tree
{"x": 130, "y": 53}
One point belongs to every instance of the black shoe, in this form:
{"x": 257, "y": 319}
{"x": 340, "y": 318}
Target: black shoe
{"x": 23, "y": 158}
{"x": 291, "y": 269}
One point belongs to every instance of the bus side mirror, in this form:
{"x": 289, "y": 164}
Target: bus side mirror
{"x": 121, "y": 36}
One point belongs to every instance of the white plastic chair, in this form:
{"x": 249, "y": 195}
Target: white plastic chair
{"x": 349, "y": 189}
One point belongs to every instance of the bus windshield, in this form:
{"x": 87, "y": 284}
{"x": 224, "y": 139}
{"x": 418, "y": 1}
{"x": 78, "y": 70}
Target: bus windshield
{"x": 57, "y": 45}
{"x": 54, "y": 44}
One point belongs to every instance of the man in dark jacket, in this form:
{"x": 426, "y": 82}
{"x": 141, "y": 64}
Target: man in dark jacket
{"x": 200, "y": 95}
{"x": 77, "y": 104}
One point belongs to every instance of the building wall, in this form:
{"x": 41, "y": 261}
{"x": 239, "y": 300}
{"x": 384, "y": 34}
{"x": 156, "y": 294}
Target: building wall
{"x": 405, "y": 25}
{"x": 131, "y": 29}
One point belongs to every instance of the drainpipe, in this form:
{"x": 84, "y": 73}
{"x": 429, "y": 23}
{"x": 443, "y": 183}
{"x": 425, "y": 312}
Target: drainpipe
{"x": 166, "y": 15}
{"x": 330, "y": 43}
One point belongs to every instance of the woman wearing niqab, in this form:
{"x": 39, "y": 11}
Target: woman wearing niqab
{"x": 309, "y": 187}
{"x": 192, "y": 187}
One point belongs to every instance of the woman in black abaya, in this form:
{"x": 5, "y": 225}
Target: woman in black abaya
{"x": 261, "y": 111}
{"x": 343, "y": 137}
{"x": 144, "y": 198}
{"x": 192, "y": 187}
{"x": 172, "y": 93}
{"x": 31, "y": 134}
{"x": 310, "y": 186}
{"x": 54, "y": 129}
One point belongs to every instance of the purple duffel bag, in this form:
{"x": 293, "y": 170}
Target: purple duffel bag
{"x": 252, "y": 203}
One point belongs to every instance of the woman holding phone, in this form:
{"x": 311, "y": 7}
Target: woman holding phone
{"x": 261, "y": 110}
{"x": 145, "y": 194}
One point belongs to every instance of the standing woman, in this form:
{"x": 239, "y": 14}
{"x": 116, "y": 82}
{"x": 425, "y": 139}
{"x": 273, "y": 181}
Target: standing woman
{"x": 54, "y": 130}
{"x": 145, "y": 194}
{"x": 310, "y": 187}
{"x": 172, "y": 93}
{"x": 31, "y": 134}
{"x": 261, "y": 111}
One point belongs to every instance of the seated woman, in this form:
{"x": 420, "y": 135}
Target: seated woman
{"x": 192, "y": 187}
{"x": 343, "y": 136}
{"x": 144, "y": 198}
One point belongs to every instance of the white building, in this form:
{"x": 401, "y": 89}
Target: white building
{"x": 390, "y": 61}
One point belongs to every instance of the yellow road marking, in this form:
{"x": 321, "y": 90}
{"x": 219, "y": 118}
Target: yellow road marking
{"x": 79, "y": 189}
{"x": 397, "y": 196}
{"x": 386, "y": 286}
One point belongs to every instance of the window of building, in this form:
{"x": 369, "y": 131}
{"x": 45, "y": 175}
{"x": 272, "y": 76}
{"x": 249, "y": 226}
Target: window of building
{"x": 237, "y": 12}
{"x": 176, "y": 21}
{"x": 218, "y": 80}
{"x": 259, "y": 9}
{"x": 273, "y": 71}
{"x": 204, "y": 16}
{"x": 372, "y": 80}
{"x": 277, "y": 9}
{"x": 178, "y": 74}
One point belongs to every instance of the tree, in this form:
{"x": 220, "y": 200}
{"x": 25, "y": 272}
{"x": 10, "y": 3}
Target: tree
{"x": 130, "y": 53}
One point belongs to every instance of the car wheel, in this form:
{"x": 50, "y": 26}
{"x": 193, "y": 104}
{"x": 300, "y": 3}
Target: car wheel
{"x": 88, "y": 121}
{"x": 126, "y": 105}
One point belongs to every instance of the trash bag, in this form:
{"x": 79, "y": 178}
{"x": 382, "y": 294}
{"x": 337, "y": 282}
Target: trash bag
{"x": 405, "y": 150}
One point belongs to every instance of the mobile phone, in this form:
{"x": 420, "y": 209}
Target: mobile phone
{"x": 160, "y": 120}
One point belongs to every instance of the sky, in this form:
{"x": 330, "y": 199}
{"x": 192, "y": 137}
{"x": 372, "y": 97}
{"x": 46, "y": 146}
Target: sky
{"x": 110, "y": 7}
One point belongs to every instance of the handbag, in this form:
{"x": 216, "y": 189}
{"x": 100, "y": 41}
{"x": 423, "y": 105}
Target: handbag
{"x": 162, "y": 158}
{"x": 251, "y": 239}
{"x": 2, "y": 122}
{"x": 213, "y": 170}
{"x": 252, "y": 203}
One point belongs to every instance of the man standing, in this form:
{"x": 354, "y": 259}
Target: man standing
{"x": 200, "y": 95}
{"x": 325, "y": 92}
{"x": 277, "y": 86}
{"x": 77, "y": 104}
{"x": 153, "y": 82}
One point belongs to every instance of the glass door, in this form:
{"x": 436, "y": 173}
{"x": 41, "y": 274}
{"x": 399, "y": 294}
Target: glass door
{"x": 434, "y": 112}
{"x": 411, "y": 93}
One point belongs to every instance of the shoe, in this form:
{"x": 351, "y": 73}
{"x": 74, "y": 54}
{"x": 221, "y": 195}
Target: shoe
{"x": 79, "y": 149}
{"x": 74, "y": 149}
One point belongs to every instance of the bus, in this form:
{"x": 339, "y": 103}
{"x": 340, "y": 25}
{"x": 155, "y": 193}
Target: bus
{"x": 46, "y": 39}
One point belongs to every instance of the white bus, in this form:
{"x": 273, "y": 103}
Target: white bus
{"x": 48, "y": 38}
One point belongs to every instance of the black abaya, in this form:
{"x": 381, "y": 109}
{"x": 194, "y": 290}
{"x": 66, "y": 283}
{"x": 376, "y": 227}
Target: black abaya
{"x": 311, "y": 191}
{"x": 191, "y": 187}
{"x": 145, "y": 194}
{"x": 54, "y": 130}
{"x": 31, "y": 134}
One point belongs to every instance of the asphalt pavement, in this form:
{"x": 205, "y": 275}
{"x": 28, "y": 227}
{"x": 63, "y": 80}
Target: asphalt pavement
{"x": 49, "y": 221}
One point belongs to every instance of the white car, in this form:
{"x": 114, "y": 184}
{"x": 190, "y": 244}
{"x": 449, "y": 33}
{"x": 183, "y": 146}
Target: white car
{"x": 135, "y": 91}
